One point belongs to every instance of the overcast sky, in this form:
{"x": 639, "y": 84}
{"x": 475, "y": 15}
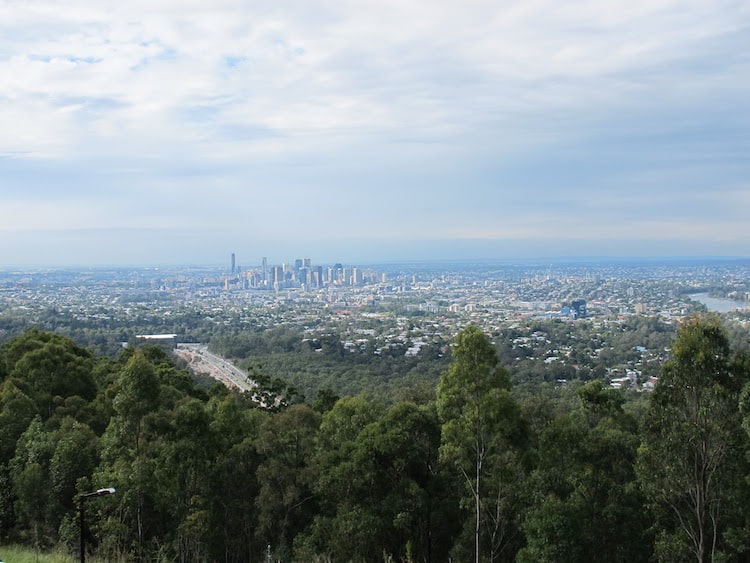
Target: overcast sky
{"x": 369, "y": 131}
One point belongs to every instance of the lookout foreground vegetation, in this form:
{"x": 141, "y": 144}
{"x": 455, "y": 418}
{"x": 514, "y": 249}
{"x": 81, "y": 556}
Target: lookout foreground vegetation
{"x": 477, "y": 471}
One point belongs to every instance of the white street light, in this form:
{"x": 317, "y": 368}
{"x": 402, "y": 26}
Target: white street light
{"x": 82, "y": 499}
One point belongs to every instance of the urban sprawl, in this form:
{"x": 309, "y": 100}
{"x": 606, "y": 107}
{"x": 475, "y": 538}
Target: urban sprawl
{"x": 394, "y": 308}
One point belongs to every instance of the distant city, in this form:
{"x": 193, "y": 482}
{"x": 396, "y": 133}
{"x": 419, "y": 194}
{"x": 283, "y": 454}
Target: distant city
{"x": 407, "y": 310}
{"x": 302, "y": 274}
{"x": 486, "y": 293}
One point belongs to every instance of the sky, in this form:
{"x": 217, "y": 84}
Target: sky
{"x": 178, "y": 132}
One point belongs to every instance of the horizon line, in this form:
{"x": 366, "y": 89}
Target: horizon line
{"x": 578, "y": 259}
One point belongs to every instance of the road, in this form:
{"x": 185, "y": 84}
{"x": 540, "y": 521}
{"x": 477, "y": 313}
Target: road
{"x": 200, "y": 360}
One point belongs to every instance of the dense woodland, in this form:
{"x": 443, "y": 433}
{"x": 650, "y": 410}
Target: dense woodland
{"x": 479, "y": 467}
{"x": 592, "y": 352}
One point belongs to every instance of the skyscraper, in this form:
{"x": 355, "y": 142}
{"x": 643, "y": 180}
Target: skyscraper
{"x": 357, "y": 276}
{"x": 579, "y": 308}
{"x": 234, "y": 265}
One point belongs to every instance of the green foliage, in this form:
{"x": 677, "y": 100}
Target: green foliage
{"x": 692, "y": 462}
{"x": 22, "y": 554}
{"x": 379, "y": 483}
{"x": 349, "y": 374}
{"x": 49, "y": 368}
{"x": 325, "y": 400}
{"x": 535, "y": 472}
{"x": 483, "y": 434}
{"x": 17, "y": 410}
{"x": 585, "y": 501}
{"x": 137, "y": 390}
{"x": 234, "y": 485}
{"x": 285, "y": 500}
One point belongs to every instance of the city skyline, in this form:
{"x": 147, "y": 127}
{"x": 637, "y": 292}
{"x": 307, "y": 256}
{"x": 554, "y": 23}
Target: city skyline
{"x": 135, "y": 134}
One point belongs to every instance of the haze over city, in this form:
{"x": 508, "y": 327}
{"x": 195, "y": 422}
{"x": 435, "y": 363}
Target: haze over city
{"x": 135, "y": 134}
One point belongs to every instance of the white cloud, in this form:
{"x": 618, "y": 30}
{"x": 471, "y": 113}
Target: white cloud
{"x": 27, "y": 215}
{"x": 380, "y": 66}
{"x": 353, "y": 103}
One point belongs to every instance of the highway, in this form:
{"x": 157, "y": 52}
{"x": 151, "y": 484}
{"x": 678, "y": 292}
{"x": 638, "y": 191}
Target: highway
{"x": 200, "y": 360}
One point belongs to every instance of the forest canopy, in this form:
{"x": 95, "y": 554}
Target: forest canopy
{"x": 483, "y": 468}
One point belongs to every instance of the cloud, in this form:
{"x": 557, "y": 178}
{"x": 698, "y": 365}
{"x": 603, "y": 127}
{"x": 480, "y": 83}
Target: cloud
{"x": 427, "y": 118}
{"x": 437, "y": 69}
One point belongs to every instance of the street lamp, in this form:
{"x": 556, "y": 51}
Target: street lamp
{"x": 82, "y": 499}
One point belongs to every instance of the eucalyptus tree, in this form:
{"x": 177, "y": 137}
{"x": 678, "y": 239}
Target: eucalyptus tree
{"x": 286, "y": 500}
{"x": 126, "y": 455}
{"x": 585, "y": 501}
{"x": 482, "y": 432}
{"x": 381, "y": 494}
{"x": 692, "y": 462}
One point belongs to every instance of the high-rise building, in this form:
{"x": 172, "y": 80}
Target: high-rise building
{"x": 318, "y": 272}
{"x": 234, "y": 264}
{"x": 579, "y": 308}
{"x": 264, "y": 273}
{"x": 357, "y": 276}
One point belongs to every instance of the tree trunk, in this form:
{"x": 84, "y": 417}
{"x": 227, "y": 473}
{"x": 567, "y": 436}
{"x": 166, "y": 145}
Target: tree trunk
{"x": 478, "y": 502}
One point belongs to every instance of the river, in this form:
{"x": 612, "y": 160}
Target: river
{"x": 717, "y": 304}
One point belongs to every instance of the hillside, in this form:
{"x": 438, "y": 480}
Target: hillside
{"x": 568, "y": 472}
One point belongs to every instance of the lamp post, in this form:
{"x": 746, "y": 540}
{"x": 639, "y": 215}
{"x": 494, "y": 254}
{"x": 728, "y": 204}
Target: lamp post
{"x": 82, "y": 499}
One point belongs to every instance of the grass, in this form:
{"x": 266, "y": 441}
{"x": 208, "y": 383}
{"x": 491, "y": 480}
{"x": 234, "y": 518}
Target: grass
{"x": 18, "y": 554}
{"x": 24, "y": 554}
